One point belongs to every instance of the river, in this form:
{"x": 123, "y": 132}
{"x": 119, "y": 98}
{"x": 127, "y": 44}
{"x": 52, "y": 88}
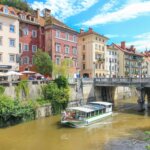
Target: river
{"x": 47, "y": 134}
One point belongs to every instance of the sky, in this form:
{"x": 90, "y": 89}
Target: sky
{"x": 119, "y": 20}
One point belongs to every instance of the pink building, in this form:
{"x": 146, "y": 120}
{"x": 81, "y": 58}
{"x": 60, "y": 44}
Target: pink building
{"x": 60, "y": 41}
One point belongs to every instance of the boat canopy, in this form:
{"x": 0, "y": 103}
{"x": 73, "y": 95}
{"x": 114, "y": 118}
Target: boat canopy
{"x": 87, "y": 108}
{"x": 101, "y": 103}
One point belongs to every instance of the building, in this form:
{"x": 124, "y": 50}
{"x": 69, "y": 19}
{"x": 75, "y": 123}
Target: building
{"x": 112, "y": 61}
{"x": 130, "y": 61}
{"x": 91, "y": 55}
{"x": 9, "y": 39}
{"x": 146, "y": 64}
{"x": 31, "y": 37}
{"x": 60, "y": 42}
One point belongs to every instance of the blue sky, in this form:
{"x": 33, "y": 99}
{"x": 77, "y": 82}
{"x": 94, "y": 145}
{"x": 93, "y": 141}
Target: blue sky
{"x": 119, "y": 20}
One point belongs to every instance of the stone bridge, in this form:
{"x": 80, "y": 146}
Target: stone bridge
{"x": 104, "y": 88}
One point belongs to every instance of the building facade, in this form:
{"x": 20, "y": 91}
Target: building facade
{"x": 9, "y": 39}
{"x": 112, "y": 61}
{"x": 146, "y": 64}
{"x": 61, "y": 42}
{"x": 31, "y": 38}
{"x": 130, "y": 62}
{"x": 91, "y": 55}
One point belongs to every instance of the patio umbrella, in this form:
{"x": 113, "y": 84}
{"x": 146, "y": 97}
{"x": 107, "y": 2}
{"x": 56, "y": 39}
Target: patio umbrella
{"x": 10, "y": 73}
{"x": 28, "y": 72}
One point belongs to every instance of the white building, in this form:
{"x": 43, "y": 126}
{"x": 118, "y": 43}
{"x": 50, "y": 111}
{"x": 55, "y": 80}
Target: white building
{"x": 111, "y": 61}
{"x": 9, "y": 39}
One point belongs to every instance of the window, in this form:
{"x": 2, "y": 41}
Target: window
{"x": 83, "y": 47}
{"x": 83, "y": 57}
{"x": 25, "y": 31}
{"x": 12, "y": 42}
{"x": 109, "y": 52}
{"x": 34, "y": 33}
{"x": 0, "y": 26}
{"x": 58, "y": 47}
{"x": 12, "y": 58}
{"x": 74, "y": 38}
{"x": 96, "y": 46}
{"x": 67, "y": 49}
{"x": 83, "y": 66}
{"x": 58, "y": 60}
{"x": 34, "y": 48}
{"x": 58, "y": 33}
{"x": 0, "y": 57}
{"x": 26, "y": 60}
{"x": 5, "y": 10}
{"x": 74, "y": 50}
{"x": 103, "y": 48}
{"x": 67, "y": 36}
{"x": 0, "y": 40}
{"x": 99, "y": 47}
{"x": 20, "y": 47}
{"x": 12, "y": 28}
{"x": 26, "y": 47}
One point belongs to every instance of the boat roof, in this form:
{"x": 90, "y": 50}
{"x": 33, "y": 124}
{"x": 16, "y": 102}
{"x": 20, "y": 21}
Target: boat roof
{"x": 87, "y": 108}
{"x": 101, "y": 103}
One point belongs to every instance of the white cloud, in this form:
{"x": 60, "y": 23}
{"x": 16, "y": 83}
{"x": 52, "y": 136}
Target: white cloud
{"x": 129, "y": 11}
{"x": 111, "y": 35}
{"x": 141, "y": 42}
{"x": 63, "y": 9}
{"x": 108, "y": 6}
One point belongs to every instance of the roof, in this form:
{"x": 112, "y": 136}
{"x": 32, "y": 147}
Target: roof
{"x": 88, "y": 108}
{"x": 101, "y": 103}
{"x": 127, "y": 51}
{"x": 51, "y": 20}
{"x": 91, "y": 32}
{"x": 11, "y": 10}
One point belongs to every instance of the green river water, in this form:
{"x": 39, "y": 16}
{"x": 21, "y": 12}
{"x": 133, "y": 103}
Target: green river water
{"x": 47, "y": 134}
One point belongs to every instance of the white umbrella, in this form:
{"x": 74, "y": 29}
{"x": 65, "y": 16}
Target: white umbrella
{"x": 28, "y": 72}
{"x": 10, "y": 73}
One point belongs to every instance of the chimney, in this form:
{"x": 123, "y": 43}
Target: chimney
{"x": 81, "y": 31}
{"x": 132, "y": 48}
{"x": 90, "y": 29}
{"x": 47, "y": 12}
{"x": 37, "y": 13}
{"x": 123, "y": 45}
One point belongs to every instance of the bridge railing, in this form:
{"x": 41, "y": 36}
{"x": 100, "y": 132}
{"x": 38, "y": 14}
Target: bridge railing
{"x": 122, "y": 80}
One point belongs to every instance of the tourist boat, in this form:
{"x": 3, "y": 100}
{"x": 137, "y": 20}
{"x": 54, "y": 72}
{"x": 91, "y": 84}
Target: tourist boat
{"x": 86, "y": 114}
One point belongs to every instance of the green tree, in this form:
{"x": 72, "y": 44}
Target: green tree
{"x": 42, "y": 62}
{"x": 19, "y": 4}
{"x": 61, "y": 82}
{"x": 64, "y": 69}
{"x": 58, "y": 97}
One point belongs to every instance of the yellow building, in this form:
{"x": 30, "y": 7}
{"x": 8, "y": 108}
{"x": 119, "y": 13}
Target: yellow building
{"x": 9, "y": 39}
{"x": 129, "y": 61}
{"x": 91, "y": 54}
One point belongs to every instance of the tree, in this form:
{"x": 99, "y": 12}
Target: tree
{"x": 64, "y": 69}
{"x": 42, "y": 62}
{"x": 19, "y": 4}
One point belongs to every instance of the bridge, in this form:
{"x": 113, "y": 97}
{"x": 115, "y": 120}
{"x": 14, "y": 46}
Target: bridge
{"x": 104, "y": 88}
{"x": 143, "y": 82}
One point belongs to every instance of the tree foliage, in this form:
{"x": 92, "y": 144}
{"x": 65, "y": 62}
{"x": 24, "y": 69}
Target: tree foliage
{"x": 43, "y": 62}
{"x": 57, "y": 93}
{"x": 19, "y": 4}
{"x": 64, "y": 69}
{"x": 2, "y": 89}
{"x": 12, "y": 112}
